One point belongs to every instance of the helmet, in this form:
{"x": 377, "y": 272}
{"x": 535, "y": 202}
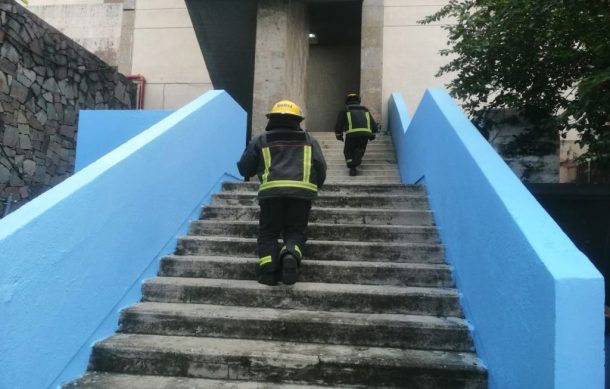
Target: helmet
{"x": 352, "y": 97}
{"x": 286, "y": 107}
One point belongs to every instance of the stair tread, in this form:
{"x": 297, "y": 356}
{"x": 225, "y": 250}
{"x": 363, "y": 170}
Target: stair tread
{"x": 342, "y": 264}
{"x": 101, "y": 380}
{"x": 310, "y": 242}
{"x": 295, "y": 315}
{"x": 336, "y": 209}
{"x": 292, "y": 353}
{"x": 335, "y": 195}
{"x": 395, "y": 227}
{"x": 304, "y": 287}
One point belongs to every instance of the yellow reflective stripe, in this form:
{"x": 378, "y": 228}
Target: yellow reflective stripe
{"x": 264, "y": 260}
{"x": 288, "y": 184}
{"x": 368, "y": 120}
{"x": 349, "y": 121}
{"x": 283, "y": 249}
{"x": 306, "y": 163}
{"x": 359, "y": 130}
{"x": 298, "y": 250}
{"x": 267, "y": 158}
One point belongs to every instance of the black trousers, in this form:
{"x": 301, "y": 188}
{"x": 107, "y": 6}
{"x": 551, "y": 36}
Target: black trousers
{"x": 354, "y": 150}
{"x": 285, "y": 217}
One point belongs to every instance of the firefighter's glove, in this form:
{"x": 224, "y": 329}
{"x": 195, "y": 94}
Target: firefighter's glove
{"x": 372, "y": 137}
{"x": 339, "y": 137}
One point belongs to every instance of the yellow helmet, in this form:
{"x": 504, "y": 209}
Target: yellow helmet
{"x": 286, "y": 107}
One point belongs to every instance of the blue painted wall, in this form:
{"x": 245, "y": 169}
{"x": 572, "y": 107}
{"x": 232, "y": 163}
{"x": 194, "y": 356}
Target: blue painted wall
{"x": 74, "y": 256}
{"x": 535, "y": 301}
{"x": 100, "y": 132}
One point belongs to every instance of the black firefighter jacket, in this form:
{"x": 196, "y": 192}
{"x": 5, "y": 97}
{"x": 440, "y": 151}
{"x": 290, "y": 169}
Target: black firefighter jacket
{"x": 356, "y": 121}
{"x": 288, "y": 162}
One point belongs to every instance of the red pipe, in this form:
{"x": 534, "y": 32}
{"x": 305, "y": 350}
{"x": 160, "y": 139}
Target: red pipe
{"x": 141, "y": 82}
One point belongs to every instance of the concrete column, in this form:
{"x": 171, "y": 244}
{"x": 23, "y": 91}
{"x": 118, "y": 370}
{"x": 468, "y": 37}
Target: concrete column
{"x": 371, "y": 56}
{"x": 282, "y": 49}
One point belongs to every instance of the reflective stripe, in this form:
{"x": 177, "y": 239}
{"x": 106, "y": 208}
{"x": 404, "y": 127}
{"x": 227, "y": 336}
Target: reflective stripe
{"x": 368, "y": 120}
{"x": 306, "y": 163}
{"x": 267, "y": 158}
{"x": 264, "y": 260}
{"x": 288, "y": 184}
{"x": 298, "y": 250}
{"x": 283, "y": 250}
{"x": 368, "y": 130}
{"x": 349, "y": 121}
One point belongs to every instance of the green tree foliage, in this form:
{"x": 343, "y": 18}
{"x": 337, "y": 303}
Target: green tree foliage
{"x": 548, "y": 60}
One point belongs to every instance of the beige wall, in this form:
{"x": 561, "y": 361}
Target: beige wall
{"x": 411, "y": 51}
{"x": 154, "y": 38}
{"x": 166, "y": 52}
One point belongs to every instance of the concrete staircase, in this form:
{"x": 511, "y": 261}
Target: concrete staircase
{"x": 375, "y": 305}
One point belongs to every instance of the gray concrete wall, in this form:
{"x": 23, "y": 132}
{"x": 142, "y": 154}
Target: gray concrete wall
{"x": 334, "y": 71}
{"x": 372, "y": 52}
{"x": 45, "y": 79}
{"x": 95, "y": 26}
{"x": 282, "y": 49}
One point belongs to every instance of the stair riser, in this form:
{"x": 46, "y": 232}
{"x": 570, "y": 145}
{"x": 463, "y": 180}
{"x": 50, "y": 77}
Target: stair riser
{"x": 332, "y": 188}
{"x": 317, "y": 250}
{"x": 345, "y": 233}
{"x": 414, "y": 203}
{"x": 423, "y": 218}
{"x": 395, "y": 334}
{"x": 311, "y": 272}
{"x": 284, "y": 298}
{"x": 269, "y": 368}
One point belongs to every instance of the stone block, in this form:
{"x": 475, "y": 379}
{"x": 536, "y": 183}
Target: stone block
{"x": 11, "y": 136}
{"x": 51, "y": 85}
{"x": 25, "y": 142}
{"x": 5, "y": 175}
{"x": 4, "y": 87}
{"x": 29, "y": 167}
{"x": 19, "y": 92}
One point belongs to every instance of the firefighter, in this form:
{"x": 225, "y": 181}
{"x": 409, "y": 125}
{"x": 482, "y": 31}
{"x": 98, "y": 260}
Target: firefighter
{"x": 291, "y": 168}
{"x": 359, "y": 127}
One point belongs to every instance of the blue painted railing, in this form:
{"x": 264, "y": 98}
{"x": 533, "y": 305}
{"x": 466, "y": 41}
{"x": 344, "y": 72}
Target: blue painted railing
{"x": 71, "y": 259}
{"x": 534, "y": 300}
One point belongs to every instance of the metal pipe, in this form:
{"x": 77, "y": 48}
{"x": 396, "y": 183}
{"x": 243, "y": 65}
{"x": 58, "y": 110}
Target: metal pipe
{"x": 141, "y": 82}
{"x": 7, "y": 205}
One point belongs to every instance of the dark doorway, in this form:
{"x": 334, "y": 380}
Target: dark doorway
{"x": 333, "y": 69}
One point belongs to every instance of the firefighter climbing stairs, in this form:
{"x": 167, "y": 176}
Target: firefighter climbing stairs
{"x": 375, "y": 305}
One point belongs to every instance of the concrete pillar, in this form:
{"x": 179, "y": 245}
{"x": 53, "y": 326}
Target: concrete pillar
{"x": 371, "y": 56}
{"x": 282, "y": 49}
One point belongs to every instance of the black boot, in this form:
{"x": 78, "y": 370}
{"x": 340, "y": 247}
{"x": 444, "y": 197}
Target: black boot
{"x": 290, "y": 269}
{"x": 353, "y": 171}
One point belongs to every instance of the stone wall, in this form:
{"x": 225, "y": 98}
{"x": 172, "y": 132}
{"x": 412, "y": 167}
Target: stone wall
{"x": 45, "y": 79}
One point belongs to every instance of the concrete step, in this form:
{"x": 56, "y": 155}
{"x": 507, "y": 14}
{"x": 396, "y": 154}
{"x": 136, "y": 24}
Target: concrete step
{"x": 305, "y": 295}
{"x": 343, "y": 172}
{"x": 372, "y": 216}
{"x": 346, "y": 189}
{"x": 94, "y": 380}
{"x": 287, "y": 362}
{"x": 322, "y": 250}
{"x": 371, "y": 146}
{"x": 363, "y": 180}
{"x": 291, "y": 325}
{"x": 372, "y": 156}
{"x": 331, "y": 200}
{"x": 338, "y": 272}
{"x": 323, "y": 231}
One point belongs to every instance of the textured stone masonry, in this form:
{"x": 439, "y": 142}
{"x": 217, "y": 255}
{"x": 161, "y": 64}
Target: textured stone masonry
{"x": 45, "y": 79}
